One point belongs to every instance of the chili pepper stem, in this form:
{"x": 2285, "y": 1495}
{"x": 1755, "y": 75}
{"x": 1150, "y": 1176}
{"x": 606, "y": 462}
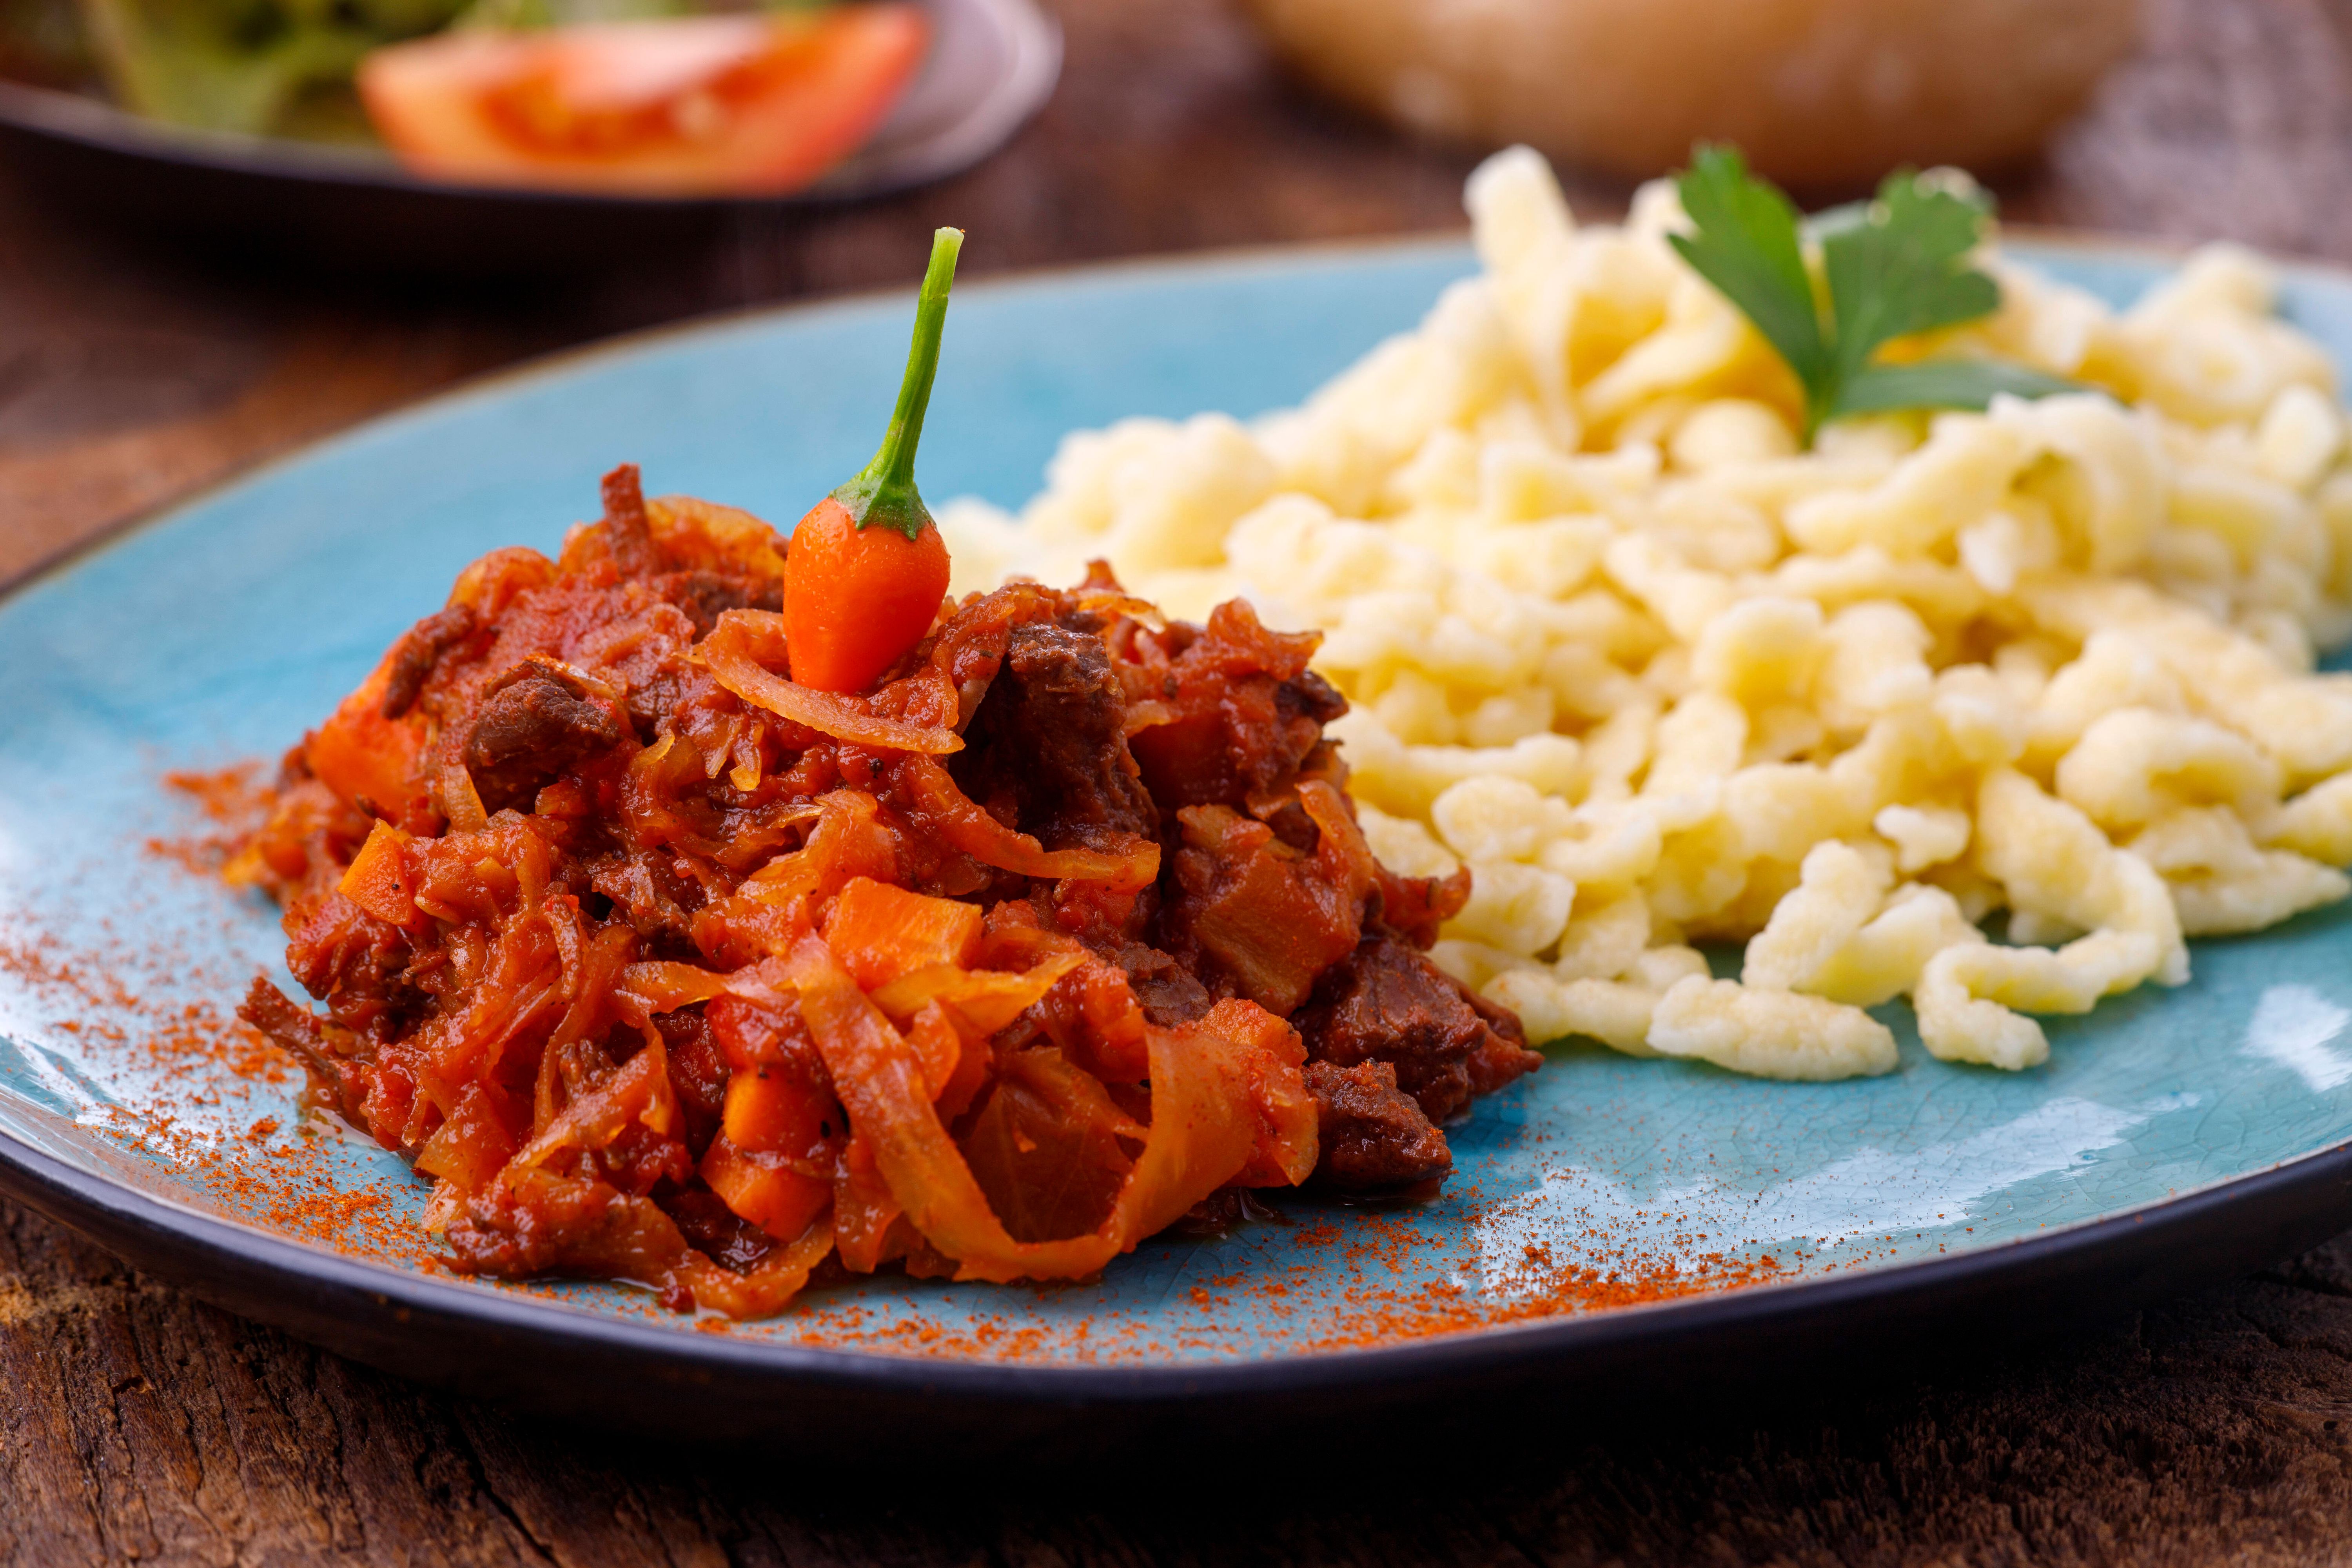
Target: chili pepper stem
{"x": 883, "y": 493}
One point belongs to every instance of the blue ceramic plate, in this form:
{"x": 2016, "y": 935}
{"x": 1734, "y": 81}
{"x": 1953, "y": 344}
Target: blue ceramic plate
{"x": 1607, "y": 1214}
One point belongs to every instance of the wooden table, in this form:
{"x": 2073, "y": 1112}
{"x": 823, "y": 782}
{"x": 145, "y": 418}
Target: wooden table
{"x": 137, "y": 1423}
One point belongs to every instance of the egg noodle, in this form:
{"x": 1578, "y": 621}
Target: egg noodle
{"x": 1660, "y": 677}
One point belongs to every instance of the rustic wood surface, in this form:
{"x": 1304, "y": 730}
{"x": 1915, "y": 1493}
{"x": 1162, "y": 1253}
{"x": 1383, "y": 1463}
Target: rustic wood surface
{"x": 135, "y": 1424}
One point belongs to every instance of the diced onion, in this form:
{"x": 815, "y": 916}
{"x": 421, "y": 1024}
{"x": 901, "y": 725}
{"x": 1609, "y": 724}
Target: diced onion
{"x": 965, "y": 825}
{"x": 844, "y": 718}
{"x": 1203, "y": 1132}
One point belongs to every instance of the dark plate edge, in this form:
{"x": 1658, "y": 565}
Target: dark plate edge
{"x": 396, "y": 1319}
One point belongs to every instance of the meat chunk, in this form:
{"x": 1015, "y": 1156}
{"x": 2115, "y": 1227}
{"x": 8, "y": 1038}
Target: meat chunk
{"x": 1416, "y": 907}
{"x": 1244, "y": 711}
{"x": 352, "y": 961}
{"x": 1050, "y": 739}
{"x": 704, "y": 596}
{"x": 646, "y": 890}
{"x": 1303, "y": 700}
{"x": 578, "y": 1224}
{"x": 1373, "y": 1135}
{"x": 1264, "y": 915}
{"x": 296, "y": 1030}
{"x": 1386, "y": 1003}
{"x": 1502, "y": 1058}
{"x": 537, "y": 723}
{"x": 711, "y": 1228}
{"x": 419, "y": 651}
{"x": 1168, "y": 993}
{"x": 628, "y": 532}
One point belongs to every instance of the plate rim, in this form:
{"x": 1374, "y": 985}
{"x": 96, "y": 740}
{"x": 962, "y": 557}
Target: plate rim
{"x": 92, "y": 1202}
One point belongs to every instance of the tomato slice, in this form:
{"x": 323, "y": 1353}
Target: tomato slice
{"x": 682, "y": 106}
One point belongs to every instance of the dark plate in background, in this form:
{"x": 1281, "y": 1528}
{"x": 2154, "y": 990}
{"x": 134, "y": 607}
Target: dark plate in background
{"x": 993, "y": 65}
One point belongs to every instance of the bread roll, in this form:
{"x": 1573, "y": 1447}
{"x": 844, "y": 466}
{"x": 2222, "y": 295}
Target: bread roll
{"x": 1815, "y": 91}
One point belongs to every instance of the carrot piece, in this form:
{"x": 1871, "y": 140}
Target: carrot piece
{"x": 773, "y": 1110}
{"x": 866, "y": 569}
{"x": 361, "y": 754}
{"x": 941, "y": 1047}
{"x": 778, "y": 1199}
{"x": 378, "y": 880}
{"x": 881, "y": 931}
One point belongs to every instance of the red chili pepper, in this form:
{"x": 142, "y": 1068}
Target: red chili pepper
{"x": 867, "y": 568}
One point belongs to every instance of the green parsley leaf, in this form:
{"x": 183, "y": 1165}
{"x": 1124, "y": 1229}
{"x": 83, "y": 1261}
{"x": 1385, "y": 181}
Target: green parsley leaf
{"x": 1892, "y": 266}
{"x": 1906, "y": 272}
{"x": 1745, "y": 244}
{"x": 1942, "y": 384}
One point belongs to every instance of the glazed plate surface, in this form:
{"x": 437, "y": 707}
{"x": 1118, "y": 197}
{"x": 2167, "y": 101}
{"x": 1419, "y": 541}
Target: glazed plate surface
{"x": 1605, "y": 1210}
